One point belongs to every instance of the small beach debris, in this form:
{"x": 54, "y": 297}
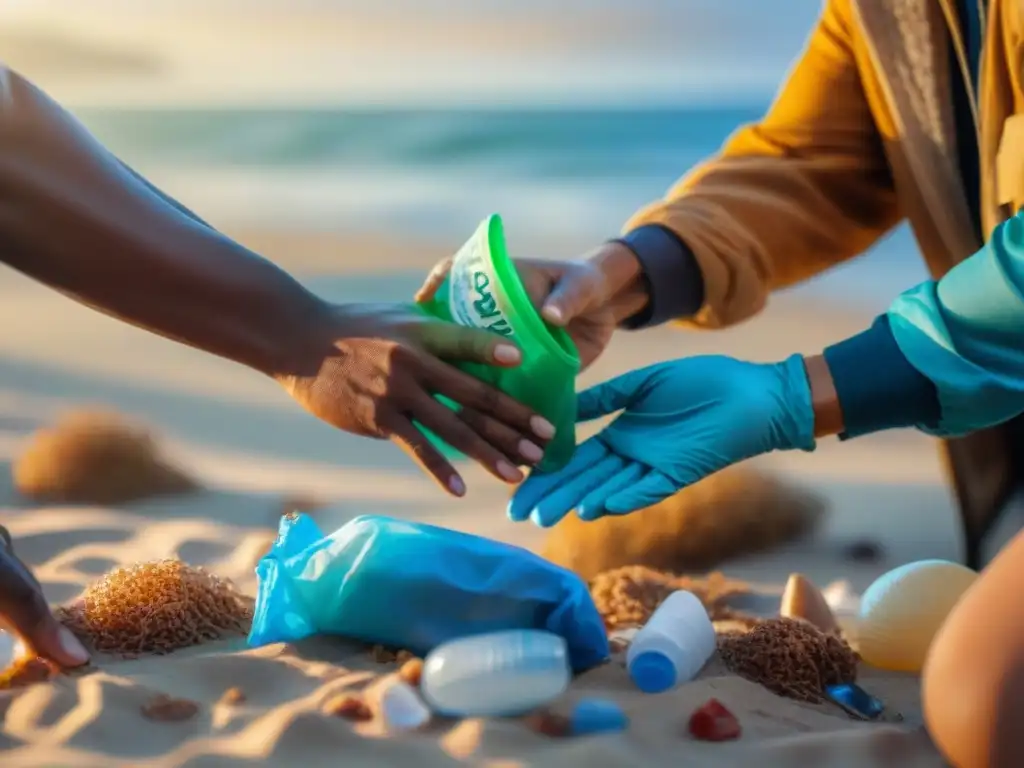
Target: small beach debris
{"x": 803, "y": 600}
{"x": 95, "y": 457}
{"x": 232, "y": 697}
{"x": 348, "y": 707}
{"x": 855, "y": 701}
{"x": 863, "y": 551}
{"x": 401, "y": 707}
{"x": 384, "y": 655}
{"x": 24, "y": 671}
{"x": 790, "y": 658}
{"x": 412, "y": 672}
{"x": 548, "y": 723}
{"x": 597, "y": 716}
{"x": 673, "y": 646}
{"x": 156, "y": 607}
{"x": 901, "y": 612}
{"x": 164, "y": 708}
{"x": 496, "y": 674}
{"x": 734, "y": 512}
{"x": 627, "y": 597}
{"x": 842, "y": 599}
{"x": 712, "y": 721}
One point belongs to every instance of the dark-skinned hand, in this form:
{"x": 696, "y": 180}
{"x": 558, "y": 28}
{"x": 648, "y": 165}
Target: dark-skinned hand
{"x": 377, "y": 373}
{"x": 588, "y": 297}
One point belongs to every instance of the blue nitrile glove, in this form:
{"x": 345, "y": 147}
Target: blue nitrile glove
{"x": 681, "y": 421}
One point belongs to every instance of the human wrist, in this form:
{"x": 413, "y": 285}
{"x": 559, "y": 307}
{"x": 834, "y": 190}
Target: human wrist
{"x": 825, "y": 405}
{"x": 307, "y": 329}
{"x": 670, "y": 275}
{"x": 877, "y": 387}
{"x": 626, "y": 290}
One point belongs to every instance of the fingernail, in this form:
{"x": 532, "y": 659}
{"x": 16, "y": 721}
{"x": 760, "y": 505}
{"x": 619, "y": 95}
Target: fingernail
{"x": 552, "y": 313}
{"x": 458, "y": 487}
{"x": 513, "y": 512}
{"x": 506, "y": 353}
{"x": 72, "y": 646}
{"x": 509, "y": 472}
{"x": 537, "y": 518}
{"x": 542, "y": 428}
{"x": 531, "y": 452}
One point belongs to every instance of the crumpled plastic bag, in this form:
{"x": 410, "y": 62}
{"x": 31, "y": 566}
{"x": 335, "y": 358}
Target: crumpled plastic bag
{"x": 414, "y": 586}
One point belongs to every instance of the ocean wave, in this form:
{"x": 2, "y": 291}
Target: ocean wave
{"x": 552, "y": 174}
{"x": 412, "y": 202}
{"x": 531, "y": 142}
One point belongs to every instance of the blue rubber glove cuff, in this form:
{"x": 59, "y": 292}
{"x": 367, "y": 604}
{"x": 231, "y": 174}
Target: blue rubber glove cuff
{"x": 794, "y": 427}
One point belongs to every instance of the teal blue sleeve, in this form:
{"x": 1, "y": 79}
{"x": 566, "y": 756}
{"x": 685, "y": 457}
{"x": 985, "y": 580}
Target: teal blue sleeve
{"x": 966, "y": 334}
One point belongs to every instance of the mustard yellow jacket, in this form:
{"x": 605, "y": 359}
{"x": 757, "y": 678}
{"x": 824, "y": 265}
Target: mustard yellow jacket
{"x": 860, "y": 136}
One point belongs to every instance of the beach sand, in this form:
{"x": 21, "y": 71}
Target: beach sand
{"x": 255, "y": 451}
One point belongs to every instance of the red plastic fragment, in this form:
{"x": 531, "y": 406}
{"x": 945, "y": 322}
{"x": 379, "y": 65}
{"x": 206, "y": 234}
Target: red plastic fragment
{"x": 713, "y": 722}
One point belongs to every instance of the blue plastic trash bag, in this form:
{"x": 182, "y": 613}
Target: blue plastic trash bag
{"x": 415, "y": 586}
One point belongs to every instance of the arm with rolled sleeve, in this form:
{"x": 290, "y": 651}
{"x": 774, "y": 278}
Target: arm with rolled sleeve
{"x": 805, "y": 188}
{"x": 948, "y": 356}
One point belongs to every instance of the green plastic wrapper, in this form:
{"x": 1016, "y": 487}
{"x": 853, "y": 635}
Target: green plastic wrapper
{"x": 483, "y": 290}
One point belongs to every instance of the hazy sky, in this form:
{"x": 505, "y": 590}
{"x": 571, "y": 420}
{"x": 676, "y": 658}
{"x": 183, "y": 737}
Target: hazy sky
{"x": 317, "y": 51}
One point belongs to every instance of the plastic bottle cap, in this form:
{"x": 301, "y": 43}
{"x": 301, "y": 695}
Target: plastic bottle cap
{"x": 597, "y": 716}
{"x": 653, "y": 672}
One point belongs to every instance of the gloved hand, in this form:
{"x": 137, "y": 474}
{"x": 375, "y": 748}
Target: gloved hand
{"x": 681, "y": 421}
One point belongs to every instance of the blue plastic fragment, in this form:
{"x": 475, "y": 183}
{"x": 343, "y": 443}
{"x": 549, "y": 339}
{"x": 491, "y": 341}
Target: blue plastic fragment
{"x": 597, "y": 716}
{"x": 855, "y": 700}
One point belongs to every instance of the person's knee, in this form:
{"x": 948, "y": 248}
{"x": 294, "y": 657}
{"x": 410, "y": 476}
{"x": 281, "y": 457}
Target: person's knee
{"x": 973, "y": 691}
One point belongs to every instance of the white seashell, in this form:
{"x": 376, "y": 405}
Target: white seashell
{"x": 402, "y": 708}
{"x": 903, "y": 609}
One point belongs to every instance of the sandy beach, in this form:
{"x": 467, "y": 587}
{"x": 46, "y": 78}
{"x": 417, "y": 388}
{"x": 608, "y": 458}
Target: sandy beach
{"x": 256, "y": 451}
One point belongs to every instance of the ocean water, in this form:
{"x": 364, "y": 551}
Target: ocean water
{"x": 554, "y": 172}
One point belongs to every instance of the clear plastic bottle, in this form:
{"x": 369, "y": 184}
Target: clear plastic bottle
{"x": 673, "y": 646}
{"x": 496, "y": 674}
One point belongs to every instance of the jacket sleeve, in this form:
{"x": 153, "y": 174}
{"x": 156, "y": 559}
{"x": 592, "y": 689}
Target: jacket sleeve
{"x": 802, "y": 190}
{"x": 965, "y": 333}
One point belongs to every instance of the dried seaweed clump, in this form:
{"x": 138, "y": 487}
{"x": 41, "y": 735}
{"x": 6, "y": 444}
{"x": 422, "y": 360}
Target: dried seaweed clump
{"x": 789, "y": 657}
{"x": 156, "y": 607}
{"x": 734, "y": 512}
{"x": 626, "y": 597}
{"x": 94, "y": 457}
